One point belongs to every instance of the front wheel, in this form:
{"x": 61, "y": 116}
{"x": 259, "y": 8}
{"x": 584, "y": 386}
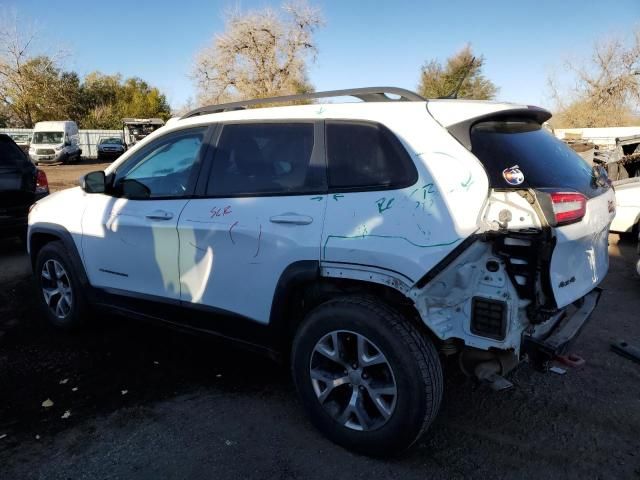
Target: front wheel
{"x": 369, "y": 380}
{"x": 60, "y": 291}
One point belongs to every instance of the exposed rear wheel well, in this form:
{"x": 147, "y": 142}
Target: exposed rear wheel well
{"x": 304, "y": 297}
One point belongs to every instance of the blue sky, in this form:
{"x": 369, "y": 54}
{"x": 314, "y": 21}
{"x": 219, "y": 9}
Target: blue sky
{"x": 362, "y": 44}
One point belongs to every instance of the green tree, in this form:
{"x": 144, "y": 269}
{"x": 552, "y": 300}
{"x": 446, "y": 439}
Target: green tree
{"x": 35, "y": 88}
{"x": 438, "y": 80}
{"x": 108, "y": 99}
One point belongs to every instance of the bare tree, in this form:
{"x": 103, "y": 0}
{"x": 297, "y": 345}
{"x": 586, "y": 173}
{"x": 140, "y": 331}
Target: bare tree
{"x": 607, "y": 87}
{"x": 260, "y": 54}
{"x": 438, "y": 80}
{"x": 32, "y": 88}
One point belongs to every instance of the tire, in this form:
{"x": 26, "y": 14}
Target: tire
{"x": 632, "y": 235}
{"x": 63, "y": 310}
{"x": 410, "y": 357}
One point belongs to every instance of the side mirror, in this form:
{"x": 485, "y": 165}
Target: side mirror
{"x": 94, "y": 182}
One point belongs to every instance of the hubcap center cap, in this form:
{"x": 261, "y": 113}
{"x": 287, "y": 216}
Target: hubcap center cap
{"x": 355, "y": 377}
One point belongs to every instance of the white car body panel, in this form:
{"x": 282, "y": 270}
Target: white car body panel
{"x": 449, "y": 112}
{"x": 408, "y": 231}
{"x": 65, "y": 208}
{"x": 234, "y": 250}
{"x": 123, "y": 249}
{"x": 581, "y": 258}
{"x": 627, "y": 206}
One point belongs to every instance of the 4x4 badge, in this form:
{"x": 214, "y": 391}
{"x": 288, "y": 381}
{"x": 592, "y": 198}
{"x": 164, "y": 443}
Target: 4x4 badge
{"x": 513, "y": 175}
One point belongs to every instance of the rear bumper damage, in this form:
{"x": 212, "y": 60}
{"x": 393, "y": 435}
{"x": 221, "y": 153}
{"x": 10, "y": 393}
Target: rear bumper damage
{"x": 541, "y": 348}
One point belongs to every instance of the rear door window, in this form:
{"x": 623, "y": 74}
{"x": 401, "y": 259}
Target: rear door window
{"x": 265, "y": 159}
{"x": 521, "y": 154}
{"x": 366, "y": 156}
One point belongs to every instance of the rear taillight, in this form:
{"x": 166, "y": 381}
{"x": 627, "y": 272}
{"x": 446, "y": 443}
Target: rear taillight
{"x": 568, "y": 207}
{"x": 42, "y": 184}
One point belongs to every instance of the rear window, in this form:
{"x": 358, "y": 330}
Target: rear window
{"x": 366, "y": 156}
{"x": 264, "y": 159}
{"x": 10, "y": 154}
{"x": 521, "y": 154}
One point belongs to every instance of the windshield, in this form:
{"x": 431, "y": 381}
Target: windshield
{"x": 111, "y": 140}
{"x": 520, "y": 153}
{"x": 47, "y": 137}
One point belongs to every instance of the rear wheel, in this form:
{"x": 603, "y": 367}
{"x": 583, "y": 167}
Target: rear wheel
{"x": 61, "y": 296}
{"x": 368, "y": 379}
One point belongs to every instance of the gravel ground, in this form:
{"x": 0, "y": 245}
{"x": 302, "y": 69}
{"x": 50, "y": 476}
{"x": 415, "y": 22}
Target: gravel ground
{"x": 65, "y": 176}
{"x": 145, "y": 402}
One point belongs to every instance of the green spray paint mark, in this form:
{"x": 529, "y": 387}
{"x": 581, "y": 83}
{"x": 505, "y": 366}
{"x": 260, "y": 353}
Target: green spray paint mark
{"x": 381, "y": 204}
{"x": 320, "y": 111}
{"x": 394, "y": 237}
{"x": 319, "y": 199}
{"x": 336, "y": 196}
{"x": 466, "y": 184}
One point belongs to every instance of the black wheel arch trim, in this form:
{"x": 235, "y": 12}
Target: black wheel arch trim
{"x": 62, "y": 234}
{"x": 295, "y": 275}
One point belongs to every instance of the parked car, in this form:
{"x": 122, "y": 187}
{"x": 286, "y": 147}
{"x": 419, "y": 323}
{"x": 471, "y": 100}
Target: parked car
{"x": 361, "y": 242}
{"x": 23, "y": 140}
{"x": 627, "y": 219}
{"x": 21, "y": 184}
{"x": 110, "y": 147}
{"x": 55, "y": 142}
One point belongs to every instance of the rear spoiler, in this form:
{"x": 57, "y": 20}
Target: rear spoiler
{"x": 462, "y": 131}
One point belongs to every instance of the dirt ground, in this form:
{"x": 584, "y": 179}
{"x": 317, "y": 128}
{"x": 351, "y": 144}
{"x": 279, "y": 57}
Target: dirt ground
{"x": 65, "y": 176}
{"x": 135, "y": 401}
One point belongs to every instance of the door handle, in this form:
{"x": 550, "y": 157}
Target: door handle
{"x": 159, "y": 215}
{"x": 292, "y": 219}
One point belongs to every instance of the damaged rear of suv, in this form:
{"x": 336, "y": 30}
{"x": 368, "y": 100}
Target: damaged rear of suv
{"x": 361, "y": 242}
{"x": 526, "y": 282}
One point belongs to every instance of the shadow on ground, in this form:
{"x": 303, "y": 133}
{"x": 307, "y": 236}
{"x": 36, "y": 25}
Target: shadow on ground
{"x": 146, "y": 402}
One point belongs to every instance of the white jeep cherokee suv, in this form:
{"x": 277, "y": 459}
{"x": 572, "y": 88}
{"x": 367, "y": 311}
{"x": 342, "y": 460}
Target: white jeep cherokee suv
{"x": 362, "y": 241}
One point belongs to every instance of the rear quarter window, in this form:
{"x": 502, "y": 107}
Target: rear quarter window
{"x": 510, "y": 147}
{"x": 366, "y": 155}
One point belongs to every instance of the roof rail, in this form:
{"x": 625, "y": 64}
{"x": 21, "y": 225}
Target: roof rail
{"x": 368, "y": 94}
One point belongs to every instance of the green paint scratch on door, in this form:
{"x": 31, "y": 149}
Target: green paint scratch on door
{"x": 384, "y": 204}
{"x": 466, "y": 184}
{"x": 394, "y": 237}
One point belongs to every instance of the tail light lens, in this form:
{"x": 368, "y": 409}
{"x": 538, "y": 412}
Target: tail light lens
{"x": 42, "y": 184}
{"x": 568, "y": 207}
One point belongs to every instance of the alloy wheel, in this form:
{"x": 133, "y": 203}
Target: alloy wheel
{"x": 56, "y": 288}
{"x": 353, "y": 380}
